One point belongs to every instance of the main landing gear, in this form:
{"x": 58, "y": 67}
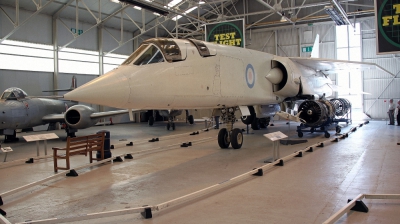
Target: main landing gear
{"x": 230, "y": 135}
{"x": 11, "y": 138}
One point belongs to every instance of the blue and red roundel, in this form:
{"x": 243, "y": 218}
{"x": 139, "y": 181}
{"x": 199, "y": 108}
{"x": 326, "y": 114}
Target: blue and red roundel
{"x": 250, "y": 76}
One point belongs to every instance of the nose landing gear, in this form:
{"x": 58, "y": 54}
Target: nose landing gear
{"x": 229, "y": 135}
{"x": 171, "y": 123}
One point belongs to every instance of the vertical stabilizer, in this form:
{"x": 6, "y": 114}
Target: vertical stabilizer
{"x": 315, "y": 49}
{"x": 73, "y": 84}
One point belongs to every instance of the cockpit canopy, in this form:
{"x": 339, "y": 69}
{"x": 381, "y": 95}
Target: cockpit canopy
{"x": 155, "y": 50}
{"x": 13, "y": 93}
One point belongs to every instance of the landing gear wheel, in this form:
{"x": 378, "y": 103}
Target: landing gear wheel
{"x": 338, "y": 129}
{"x": 312, "y": 130}
{"x": 191, "y": 119}
{"x": 247, "y": 119}
{"x": 237, "y": 138}
{"x": 151, "y": 121}
{"x": 168, "y": 126}
{"x": 256, "y": 124}
{"x": 223, "y": 138}
{"x": 263, "y": 123}
{"x": 300, "y": 134}
{"x": 173, "y": 126}
{"x": 327, "y": 135}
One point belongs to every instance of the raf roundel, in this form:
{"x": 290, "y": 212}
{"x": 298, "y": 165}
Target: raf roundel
{"x": 250, "y": 76}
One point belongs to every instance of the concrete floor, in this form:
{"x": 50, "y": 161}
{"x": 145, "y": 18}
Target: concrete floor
{"x": 305, "y": 190}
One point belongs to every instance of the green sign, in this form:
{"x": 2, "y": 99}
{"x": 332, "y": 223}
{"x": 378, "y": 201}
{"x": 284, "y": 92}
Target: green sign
{"x": 73, "y": 30}
{"x": 306, "y": 49}
{"x": 387, "y": 13}
{"x": 227, "y": 33}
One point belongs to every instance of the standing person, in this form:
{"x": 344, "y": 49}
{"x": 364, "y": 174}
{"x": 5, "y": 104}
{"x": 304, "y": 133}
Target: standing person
{"x": 391, "y": 112}
{"x": 398, "y": 113}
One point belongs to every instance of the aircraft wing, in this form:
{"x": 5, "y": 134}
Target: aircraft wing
{"x": 60, "y": 117}
{"x": 108, "y": 113}
{"x": 51, "y": 118}
{"x": 330, "y": 66}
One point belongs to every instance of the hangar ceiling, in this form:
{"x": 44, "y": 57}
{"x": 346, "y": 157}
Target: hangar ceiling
{"x": 193, "y": 13}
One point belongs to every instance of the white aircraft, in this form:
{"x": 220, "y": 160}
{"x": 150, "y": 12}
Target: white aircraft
{"x": 174, "y": 74}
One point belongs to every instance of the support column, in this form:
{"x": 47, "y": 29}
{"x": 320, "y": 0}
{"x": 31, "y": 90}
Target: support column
{"x": 55, "y": 54}
{"x": 101, "y": 55}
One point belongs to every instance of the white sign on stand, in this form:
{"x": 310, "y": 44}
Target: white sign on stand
{"x": 6, "y": 150}
{"x": 275, "y": 137}
{"x": 37, "y": 138}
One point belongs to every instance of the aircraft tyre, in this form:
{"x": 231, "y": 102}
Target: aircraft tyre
{"x": 168, "y": 126}
{"x": 327, "y": 135}
{"x": 223, "y": 138}
{"x": 151, "y": 121}
{"x": 338, "y": 129}
{"x": 11, "y": 138}
{"x": 255, "y": 125}
{"x": 237, "y": 138}
{"x": 247, "y": 119}
{"x": 300, "y": 134}
{"x": 191, "y": 119}
{"x": 173, "y": 126}
{"x": 250, "y": 118}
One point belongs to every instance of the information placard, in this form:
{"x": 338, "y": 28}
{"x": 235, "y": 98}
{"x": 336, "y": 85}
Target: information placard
{"x": 31, "y": 138}
{"x": 274, "y": 136}
{"x": 6, "y": 149}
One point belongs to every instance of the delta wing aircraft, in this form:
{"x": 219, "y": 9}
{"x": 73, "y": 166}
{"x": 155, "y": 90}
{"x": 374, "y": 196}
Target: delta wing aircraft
{"x": 19, "y": 111}
{"x": 174, "y": 74}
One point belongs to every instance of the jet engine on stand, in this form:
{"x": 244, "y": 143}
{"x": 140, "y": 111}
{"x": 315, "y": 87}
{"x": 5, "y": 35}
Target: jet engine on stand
{"x": 318, "y": 115}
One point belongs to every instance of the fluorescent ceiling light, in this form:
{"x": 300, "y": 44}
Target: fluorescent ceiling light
{"x": 157, "y": 14}
{"x": 176, "y": 17}
{"x": 116, "y": 1}
{"x": 186, "y": 12}
{"x": 191, "y": 9}
{"x": 137, "y": 7}
{"x": 335, "y": 15}
{"x": 283, "y": 19}
{"x": 174, "y": 3}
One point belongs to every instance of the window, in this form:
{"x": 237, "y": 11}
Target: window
{"x": 112, "y": 61}
{"x": 16, "y": 55}
{"x": 135, "y": 54}
{"x": 348, "y": 47}
{"x": 78, "y": 61}
{"x": 151, "y": 55}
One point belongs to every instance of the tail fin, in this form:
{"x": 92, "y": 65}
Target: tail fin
{"x": 315, "y": 50}
{"x": 73, "y": 86}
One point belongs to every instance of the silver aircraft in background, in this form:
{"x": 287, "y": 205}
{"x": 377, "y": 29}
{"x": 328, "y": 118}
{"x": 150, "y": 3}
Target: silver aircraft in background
{"x": 19, "y": 111}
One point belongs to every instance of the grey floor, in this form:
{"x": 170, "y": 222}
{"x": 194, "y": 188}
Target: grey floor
{"x": 305, "y": 190}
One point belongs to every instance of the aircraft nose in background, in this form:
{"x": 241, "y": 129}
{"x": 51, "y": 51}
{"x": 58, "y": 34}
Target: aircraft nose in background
{"x": 109, "y": 89}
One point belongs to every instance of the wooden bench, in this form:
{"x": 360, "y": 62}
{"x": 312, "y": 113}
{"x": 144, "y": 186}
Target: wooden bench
{"x": 79, "y": 146}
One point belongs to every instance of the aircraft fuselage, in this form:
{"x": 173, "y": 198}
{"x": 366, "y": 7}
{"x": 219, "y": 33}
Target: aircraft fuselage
{"x": 27, "y": 113}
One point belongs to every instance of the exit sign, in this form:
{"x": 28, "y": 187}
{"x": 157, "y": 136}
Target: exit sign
{"x": 73, "y": 30}
{"x": 306, "y": 49}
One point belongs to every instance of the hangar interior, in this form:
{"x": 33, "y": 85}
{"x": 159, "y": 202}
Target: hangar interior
{"x": 44, "y": 43}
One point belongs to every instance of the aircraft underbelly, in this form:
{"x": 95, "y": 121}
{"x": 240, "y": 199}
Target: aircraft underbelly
{"x": 316, "y": 85}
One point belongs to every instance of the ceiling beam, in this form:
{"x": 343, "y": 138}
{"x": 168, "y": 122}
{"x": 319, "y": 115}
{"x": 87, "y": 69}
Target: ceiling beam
{"x": 25, "y": 21}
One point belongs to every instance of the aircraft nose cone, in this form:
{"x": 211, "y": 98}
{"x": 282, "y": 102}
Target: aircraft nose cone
{"x": 109, "y": 89}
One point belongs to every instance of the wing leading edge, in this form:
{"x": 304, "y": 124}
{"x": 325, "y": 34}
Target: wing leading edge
{"x": 330, "y": 66}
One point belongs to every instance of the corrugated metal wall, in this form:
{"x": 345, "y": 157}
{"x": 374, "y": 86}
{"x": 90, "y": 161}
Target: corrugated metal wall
{"x": 380, "y": 85}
